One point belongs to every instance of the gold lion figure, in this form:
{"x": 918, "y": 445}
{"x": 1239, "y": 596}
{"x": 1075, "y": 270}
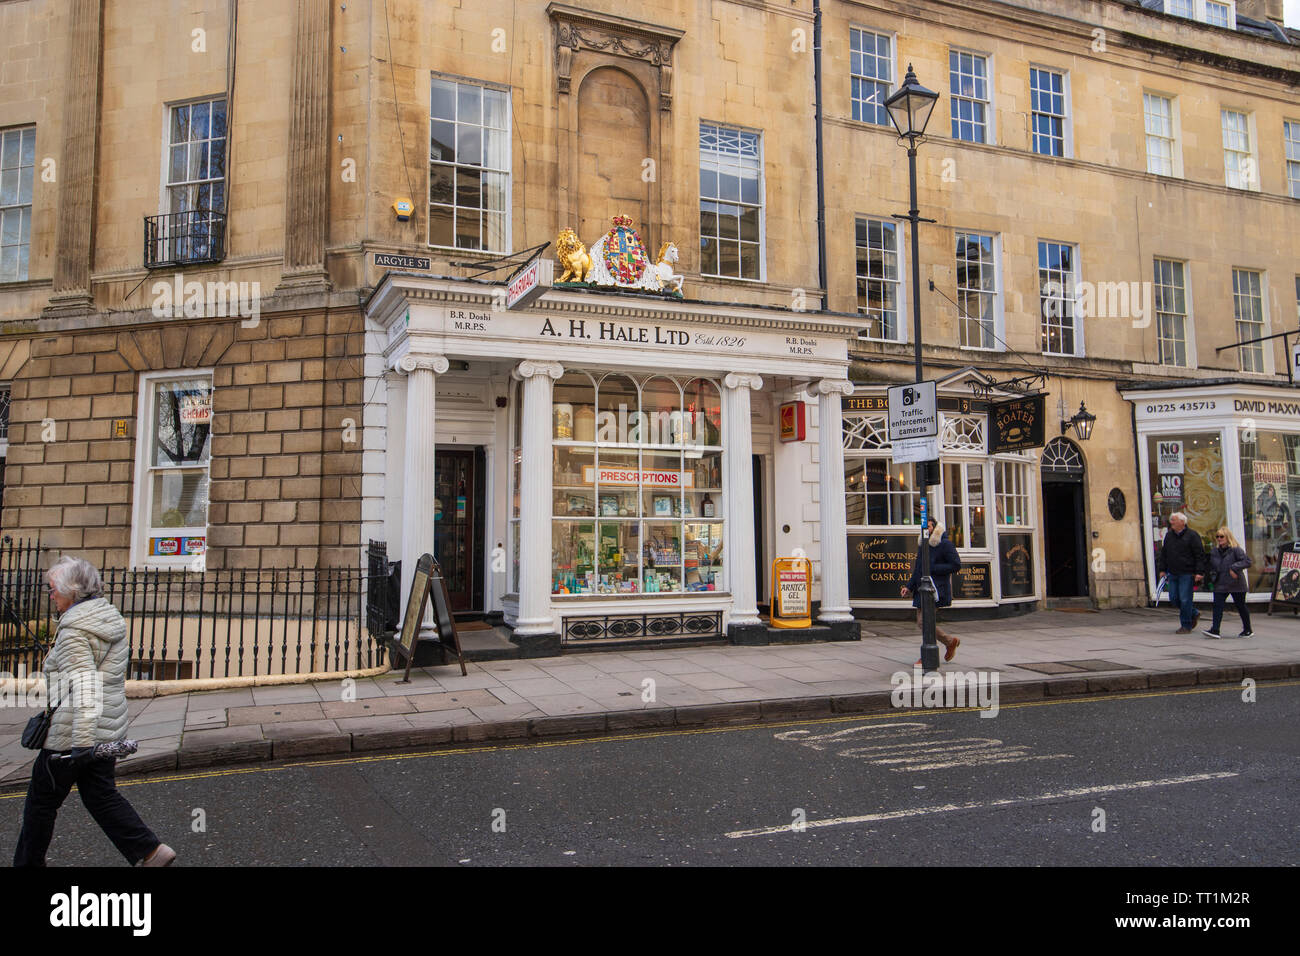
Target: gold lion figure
{"x": 573, "y": 256}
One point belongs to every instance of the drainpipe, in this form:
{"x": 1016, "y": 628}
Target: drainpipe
{"x": 821, "y": 174}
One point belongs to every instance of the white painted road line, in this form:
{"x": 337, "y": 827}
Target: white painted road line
{"x": 948, "y": 808}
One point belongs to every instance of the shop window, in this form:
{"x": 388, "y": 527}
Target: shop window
{"x": 879, "y": 493}
{"x": 871, "y": 68}
{"x": 977, "y": 289}
{"x": 968, "y": 75}
{"x": 1248, "y": 309}
{"x": 1011, "y": 492}
{"x": 17, "y": 167}
{"x": 1185, "y": 473}
{"x": 1171, "y": 311}
{"x": 1058, "y": 279}
{"x": 637, "y": 484}
{"x": 1270, "y": 497}
{"x": 469, "y": 166}
{"x": 879, "y": 281}
{"x": 965, "y": 512}
{"x": 865, "y": 433}
{"x": 1164, "y": 158}
{"x": 173, "y": 454}
{"x": 731, "y": 202}
{"x": 1047, "y": 93}
{"x": 963, "y": 433}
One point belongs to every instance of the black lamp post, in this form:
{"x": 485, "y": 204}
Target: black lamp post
{"x": 909, "y": 109}
{"x": 1082, "y": 422}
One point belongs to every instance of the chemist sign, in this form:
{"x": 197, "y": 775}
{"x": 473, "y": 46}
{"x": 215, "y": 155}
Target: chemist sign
{"x": 913, "y": 412}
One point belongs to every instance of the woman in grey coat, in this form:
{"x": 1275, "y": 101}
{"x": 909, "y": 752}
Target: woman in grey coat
{"x": 85, "y": 674}
{"x": 1228, "y": 564}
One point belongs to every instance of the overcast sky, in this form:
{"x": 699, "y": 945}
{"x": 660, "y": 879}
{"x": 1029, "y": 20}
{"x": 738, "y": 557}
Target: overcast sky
{"x": 1292, "y": 14}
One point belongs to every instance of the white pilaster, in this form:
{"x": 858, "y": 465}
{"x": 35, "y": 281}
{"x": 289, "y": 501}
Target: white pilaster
{"x": 834, "y": 527}
{"x": 418, "y": 466}
{"x": 535, "y": 497}
{"x": 740, "y": 497}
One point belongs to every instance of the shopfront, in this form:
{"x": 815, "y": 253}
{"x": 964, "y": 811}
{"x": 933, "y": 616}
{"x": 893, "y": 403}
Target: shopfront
{"x": 1221, "y": 453}
{"x": 987, "y": 498}
{"x": 618, "y": 436}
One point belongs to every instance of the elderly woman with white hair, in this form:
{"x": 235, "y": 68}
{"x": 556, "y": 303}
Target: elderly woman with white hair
{"x": 85, "y": 672}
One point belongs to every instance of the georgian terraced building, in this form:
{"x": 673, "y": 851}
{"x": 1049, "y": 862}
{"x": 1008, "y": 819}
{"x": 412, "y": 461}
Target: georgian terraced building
{"x": 254, "y": 306}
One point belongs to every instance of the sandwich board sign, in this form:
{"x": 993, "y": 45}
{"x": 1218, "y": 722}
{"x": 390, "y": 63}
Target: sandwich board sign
{"x": 427, "y": 583}
{"x": 792, "y": 592}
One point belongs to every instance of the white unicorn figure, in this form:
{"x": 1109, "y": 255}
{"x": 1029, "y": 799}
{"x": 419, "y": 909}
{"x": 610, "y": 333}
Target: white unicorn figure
{"x": 664, "y": 267}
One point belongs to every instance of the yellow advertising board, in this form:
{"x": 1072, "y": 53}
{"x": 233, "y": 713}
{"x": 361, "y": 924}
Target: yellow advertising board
{"x": 792, "y": 592}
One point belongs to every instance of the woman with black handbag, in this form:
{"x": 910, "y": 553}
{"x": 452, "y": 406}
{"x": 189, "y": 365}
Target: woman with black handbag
{"x": 85, "y": 674}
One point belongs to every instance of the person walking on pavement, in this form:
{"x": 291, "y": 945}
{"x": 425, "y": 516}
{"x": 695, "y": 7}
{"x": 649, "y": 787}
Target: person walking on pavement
{"x": 1228, "y": 564}
{"x": 1183, "y": 560}
{"x": 944, "y": 562}
{"x": 86, "y": 669}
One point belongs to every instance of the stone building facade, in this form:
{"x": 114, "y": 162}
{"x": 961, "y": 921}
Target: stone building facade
{"x": 262, "y": 414}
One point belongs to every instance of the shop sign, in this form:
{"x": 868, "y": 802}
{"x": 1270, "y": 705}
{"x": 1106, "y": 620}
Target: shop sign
{"x": 880, "y": 564}
{"x": 862, "y": 404}
{"x": 1295, "y": 362}
{"x": 793, "y": 421}
{"x": 196, "y": 409}
{"x": 1286, "y": 589}
{"x": 1016, "y": 425}
{"x": 1270, "y": 472}
{"x": 528, "y": 284}
{"x": 973, "y": 582}
{"x": 913, "y": 412}
{"x": 1256, "y": 407}
{"x": 791, "y": 592}
{"x": 1169, "y": 457}
{"x": 1016, "y": 558}
{"x": 1171, "y": 487}
{"x": 610, "y": 475}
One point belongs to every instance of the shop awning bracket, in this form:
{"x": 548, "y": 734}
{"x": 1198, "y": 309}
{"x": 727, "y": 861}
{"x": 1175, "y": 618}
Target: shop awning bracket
{"x": 511, "y": 261}
{"x": 1285, "y": 336}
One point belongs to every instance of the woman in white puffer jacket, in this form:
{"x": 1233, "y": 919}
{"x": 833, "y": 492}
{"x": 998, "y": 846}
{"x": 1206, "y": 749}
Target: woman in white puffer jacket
{"x": 85, "y": 673}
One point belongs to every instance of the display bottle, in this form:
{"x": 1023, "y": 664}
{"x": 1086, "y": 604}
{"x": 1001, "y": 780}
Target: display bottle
{"x": 706, "y": 506}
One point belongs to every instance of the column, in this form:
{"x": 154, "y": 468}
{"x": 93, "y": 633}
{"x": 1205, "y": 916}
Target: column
{"x": 834, "y": 530}
{"x": 76, "y": 171}
{"x": 306, "y": 199}
{"x": 535, "y": 472}
{"x": 740, "y": 499}
{"x": 418, "y": 467}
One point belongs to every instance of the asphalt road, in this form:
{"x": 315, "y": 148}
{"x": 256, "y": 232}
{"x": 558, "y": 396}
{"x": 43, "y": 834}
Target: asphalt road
{"x": 1178, "y": 778}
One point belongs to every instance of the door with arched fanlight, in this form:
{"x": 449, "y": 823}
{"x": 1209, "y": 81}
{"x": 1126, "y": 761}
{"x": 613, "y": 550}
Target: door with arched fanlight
{"x": 1064, "y": 519}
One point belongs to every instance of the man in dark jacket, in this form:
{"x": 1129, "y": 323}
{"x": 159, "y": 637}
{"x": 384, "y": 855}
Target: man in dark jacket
{"x": 944, "y": 562}
{"x": 1183, "y": 560}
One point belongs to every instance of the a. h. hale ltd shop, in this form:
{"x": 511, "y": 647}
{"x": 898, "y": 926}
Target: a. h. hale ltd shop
{"x": 599, "y": 465}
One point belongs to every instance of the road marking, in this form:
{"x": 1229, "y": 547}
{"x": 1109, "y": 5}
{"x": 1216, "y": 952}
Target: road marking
{"x": 899, "y": 754}
{"x": 982, "y": 805}
{"x": 615, "y": 738}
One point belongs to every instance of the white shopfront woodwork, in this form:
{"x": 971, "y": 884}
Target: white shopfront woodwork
{"x": 834, "y": 529}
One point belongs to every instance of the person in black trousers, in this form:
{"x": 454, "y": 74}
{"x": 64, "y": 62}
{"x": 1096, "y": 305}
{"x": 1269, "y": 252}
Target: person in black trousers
{"x": 1228, "y": 563}
{"x": 1182, "y": 559}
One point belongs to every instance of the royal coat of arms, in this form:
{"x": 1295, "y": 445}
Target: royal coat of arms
{"x": 618, "y": 260}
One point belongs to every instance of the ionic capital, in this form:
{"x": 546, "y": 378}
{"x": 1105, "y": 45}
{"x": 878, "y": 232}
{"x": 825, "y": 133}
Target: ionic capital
{"x": 832, "y": 386}
{"x": 530, "y": 367}
{"x": 426, "y": 363}
{"x": 743, "y": 380}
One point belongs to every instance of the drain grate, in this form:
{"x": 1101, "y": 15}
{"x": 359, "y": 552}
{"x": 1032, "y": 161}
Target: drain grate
{"x": 1074, "y": 667}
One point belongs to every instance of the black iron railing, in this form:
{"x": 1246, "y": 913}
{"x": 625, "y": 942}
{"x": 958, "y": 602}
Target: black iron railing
{"x": 214, "y": 623}
{"x": 383, "y": 588}
{"x": 184, "y": 238}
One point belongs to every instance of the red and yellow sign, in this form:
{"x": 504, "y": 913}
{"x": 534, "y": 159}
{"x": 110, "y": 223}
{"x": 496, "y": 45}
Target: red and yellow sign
{"x": 793, "y": 421}
{"x": 792, "y": 592}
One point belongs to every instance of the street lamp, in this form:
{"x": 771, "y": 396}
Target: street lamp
{"x": 909, "y": 109}
{"x": 1082, "y": 421}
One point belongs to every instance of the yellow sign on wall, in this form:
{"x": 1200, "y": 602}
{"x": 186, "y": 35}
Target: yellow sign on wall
{"x": 792, "y": 592}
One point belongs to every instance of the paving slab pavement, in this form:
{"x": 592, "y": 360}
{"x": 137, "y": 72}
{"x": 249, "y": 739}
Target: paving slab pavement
{"x": 1044, "y": 654}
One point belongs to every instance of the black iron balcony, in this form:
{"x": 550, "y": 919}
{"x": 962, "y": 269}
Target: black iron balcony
{"x": 184, "y": 238}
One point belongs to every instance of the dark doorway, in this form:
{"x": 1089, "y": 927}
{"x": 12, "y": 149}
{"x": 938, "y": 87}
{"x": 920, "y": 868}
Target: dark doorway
{"x": 1064, "y": 530}
{"x": 760, "y": 566}
{"x": 1067, "y": 573}
{"x": 458, "y": 524}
